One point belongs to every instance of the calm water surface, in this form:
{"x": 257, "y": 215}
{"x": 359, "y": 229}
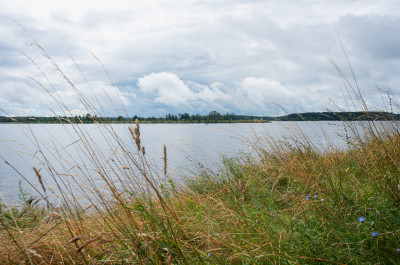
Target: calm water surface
{"x": 26, "y": 146}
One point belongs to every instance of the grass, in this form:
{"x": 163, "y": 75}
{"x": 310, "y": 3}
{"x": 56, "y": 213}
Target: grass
{"x": 299, "y": 206}
{"x": 292, "y": 206}
{"x": 289, "y": 204}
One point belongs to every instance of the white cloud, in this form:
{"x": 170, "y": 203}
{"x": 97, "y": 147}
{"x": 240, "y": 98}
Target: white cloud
{"x": 169, "y": 88}
{"x": 18, "y": 93}
{"x": 263, "y": 91}
{"x": 251, "y": 94}
{"x": 99, "y": 95}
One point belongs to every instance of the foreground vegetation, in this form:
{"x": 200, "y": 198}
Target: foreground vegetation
{"x": 290, "y": 204}
{"x": 287, "y": 203}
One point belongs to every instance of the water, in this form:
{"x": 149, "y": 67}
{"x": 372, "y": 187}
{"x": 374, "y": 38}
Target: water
{"x": 26, "y": 146}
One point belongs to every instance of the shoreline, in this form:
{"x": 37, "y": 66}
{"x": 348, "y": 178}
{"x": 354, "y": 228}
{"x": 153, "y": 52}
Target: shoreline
{"x": 141, "y": 122}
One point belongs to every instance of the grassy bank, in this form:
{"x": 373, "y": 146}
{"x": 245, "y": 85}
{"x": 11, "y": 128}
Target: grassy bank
{"x": 291, "y": 204}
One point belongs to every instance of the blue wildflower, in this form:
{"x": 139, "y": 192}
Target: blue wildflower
{"x": 209, "y": 255}
{"x": 361, "y": 219}
{"x": 308, "y": 197}
{"x": 374, "y": 233}
{"x": 252, "y": 163}
{"x": 398, "y": 250}
{"x": 315, "y": 196}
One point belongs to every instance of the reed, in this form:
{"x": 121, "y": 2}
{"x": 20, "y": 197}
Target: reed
{"x": 290, "y": 204}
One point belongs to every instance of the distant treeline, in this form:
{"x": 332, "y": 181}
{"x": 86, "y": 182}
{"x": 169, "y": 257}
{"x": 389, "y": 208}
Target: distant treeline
{"x": 212, "y": 117}
{"x": 338, "y": 116}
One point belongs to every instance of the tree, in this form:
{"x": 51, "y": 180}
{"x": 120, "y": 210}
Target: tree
{"x": 214, "y": 116}
{"x": 184, "y": 117}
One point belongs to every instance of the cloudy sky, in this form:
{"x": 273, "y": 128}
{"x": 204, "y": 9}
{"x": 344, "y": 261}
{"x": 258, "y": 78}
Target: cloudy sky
{"x": 156, "y": 57}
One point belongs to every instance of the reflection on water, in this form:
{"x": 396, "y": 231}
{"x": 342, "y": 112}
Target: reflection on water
{"x": 25, "y": 146}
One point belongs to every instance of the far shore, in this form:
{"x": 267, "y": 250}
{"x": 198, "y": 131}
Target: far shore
{"x": 206, "y": 119}
{"x": 142, "y": 122}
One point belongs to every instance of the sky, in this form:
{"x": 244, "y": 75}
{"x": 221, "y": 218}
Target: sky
{"x": 150, "y": 58}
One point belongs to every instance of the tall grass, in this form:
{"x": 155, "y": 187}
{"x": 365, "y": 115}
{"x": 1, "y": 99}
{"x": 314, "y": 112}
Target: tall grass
{"x": 290, "y": 204}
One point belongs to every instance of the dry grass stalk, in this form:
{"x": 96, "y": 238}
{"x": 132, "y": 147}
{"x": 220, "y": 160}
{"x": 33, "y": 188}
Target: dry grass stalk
{"x": 75, "y": 239}
{"x": 165, "y": 160}
{"x": 40, "y": 178}
{"x": 137, "y": 134}
{"x": 87, "y": 243}
{"x": 33, "y": 253}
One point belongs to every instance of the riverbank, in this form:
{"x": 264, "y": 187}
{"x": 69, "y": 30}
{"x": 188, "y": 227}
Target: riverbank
{"x": 290, "y": 204}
